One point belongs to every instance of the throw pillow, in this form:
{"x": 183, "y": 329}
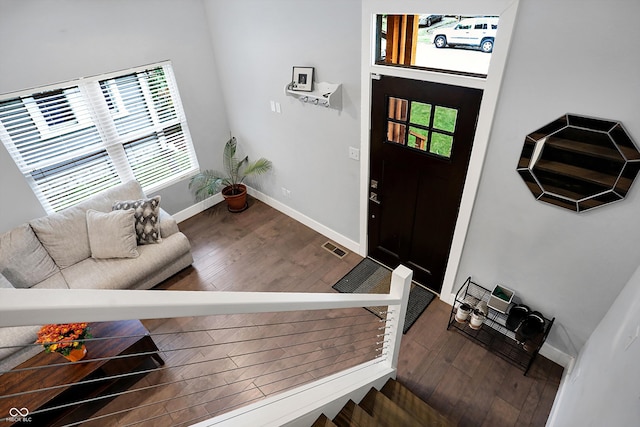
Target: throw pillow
{"x": 112, "y": 234}
{"x": 23, "y": 260}
{"x": 147, "y": 218}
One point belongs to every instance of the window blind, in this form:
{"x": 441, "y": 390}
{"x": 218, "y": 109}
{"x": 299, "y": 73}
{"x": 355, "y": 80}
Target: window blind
{"x": 90, "y": 134}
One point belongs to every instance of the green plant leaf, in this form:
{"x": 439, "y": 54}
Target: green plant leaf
{"x": 209, "y": 182}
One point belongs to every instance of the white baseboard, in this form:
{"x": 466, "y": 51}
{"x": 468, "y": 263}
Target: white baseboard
{"x": 314, "y": 225}
{"x": 198, "y": 207}
{"x": 561, "y": 358}
{"x": 560, "y": 394}
{"x": 550, "y": 352}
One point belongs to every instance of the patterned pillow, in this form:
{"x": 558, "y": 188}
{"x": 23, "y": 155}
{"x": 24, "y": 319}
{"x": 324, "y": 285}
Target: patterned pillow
{"x": 147, "y": 218}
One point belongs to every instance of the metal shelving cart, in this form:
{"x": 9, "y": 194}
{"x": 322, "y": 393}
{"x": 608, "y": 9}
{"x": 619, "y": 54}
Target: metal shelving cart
{"x": 493, "y": 334}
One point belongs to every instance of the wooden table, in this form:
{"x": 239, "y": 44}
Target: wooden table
{"x": 57, "y": 384}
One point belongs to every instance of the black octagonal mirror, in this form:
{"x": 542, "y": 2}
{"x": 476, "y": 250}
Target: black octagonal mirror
{"x": 579, "y": 163}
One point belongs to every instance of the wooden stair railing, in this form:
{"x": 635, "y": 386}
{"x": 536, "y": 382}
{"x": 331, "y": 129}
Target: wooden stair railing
{"x": 393, "y": 406}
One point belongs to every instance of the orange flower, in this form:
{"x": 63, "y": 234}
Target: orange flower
{"x": 63, "y": 337}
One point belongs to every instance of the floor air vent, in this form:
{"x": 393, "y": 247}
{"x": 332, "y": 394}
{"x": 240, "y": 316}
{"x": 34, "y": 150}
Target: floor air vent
{"x": 339, "y": 252}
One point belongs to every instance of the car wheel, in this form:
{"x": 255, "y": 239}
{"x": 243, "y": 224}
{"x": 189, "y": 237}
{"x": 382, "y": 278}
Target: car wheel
{"x": 428, "y": 22}
{"x": 440, "y": 41}
{"x": 487, "y": 45}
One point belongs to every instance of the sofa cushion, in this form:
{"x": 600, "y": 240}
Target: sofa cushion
{"x": 64, "y": 234}
{"x": 14, "y": 337}
{"x": 147, "y": 214}
{"x": 4, "y": 283}
{"x": 23, "y": 260}
{"x": 112, "y": 234}
{"x": 168, "y": 224}
{"x": 126, "y": 273}
{"x": 54, "y": 282}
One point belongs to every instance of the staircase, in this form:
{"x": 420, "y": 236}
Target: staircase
{"x": 393, "y": 406}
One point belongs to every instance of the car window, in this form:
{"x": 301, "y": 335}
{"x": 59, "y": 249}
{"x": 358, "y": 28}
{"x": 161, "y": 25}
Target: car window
{"x": 463, "y": 27}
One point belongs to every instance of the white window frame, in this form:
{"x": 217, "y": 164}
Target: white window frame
{"x": 117, "y": 100}
{"x": 57, "y": 190}
{"x": 50, "y": 131}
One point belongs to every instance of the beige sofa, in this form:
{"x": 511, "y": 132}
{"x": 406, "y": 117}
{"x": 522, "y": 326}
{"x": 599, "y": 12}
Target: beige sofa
{"x": 66, "y": 250}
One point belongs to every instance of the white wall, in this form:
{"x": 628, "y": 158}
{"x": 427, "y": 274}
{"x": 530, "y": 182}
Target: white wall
{"x": 603, "y": 387}
{"x": 568, "y": 265}
{"x": 44, "y": 42}
{"x": 257, "y": 43}
{"x": 580, "y": 57}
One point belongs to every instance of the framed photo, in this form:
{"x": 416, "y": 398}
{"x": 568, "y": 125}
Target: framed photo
{"x": 302, "y": 79}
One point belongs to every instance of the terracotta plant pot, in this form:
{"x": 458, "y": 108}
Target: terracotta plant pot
{"x": 236, "y": 198}
{"x": 76, "y": 354}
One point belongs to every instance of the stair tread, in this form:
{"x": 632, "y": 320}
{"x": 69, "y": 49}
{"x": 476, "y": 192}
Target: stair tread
{"x": 386, "y": 412}
{"x": 323, "y": 421}
{"x": 418, "y": 408}
{"x": 354, "y": 416}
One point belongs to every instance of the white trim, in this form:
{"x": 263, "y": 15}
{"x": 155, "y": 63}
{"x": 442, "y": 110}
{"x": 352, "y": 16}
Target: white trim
{"x": 480, "y": 145}
{"x": 555, "y": 355}
{"x": 198, "y": 207}
{"x": 547, "y": 350}
{"x": 325, "y": 396}
{"x": 507, "y": 10}
{"x": 22, "y": 307}
{"x": 557, "y": 402}
{"x": 309, "y": 222}
{"x": 296, "y": 407}
{"x": 277, "y": 205}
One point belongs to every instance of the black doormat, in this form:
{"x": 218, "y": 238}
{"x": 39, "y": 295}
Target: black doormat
{"x": 369, "y": 277}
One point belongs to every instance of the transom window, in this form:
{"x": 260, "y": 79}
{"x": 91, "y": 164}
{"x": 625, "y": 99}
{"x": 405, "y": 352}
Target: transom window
{"x": 424, "y": 127}
{"x": 87, "y": 135}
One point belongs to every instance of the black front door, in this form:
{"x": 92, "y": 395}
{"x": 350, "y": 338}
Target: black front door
{"x": 421, "y": 138}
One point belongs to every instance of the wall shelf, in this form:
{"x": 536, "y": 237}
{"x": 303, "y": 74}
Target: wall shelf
{"x": 579, "y": 163}
{"x": 323, "y": 95}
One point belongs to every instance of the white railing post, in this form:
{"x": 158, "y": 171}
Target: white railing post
{"x": 400, "y": 287}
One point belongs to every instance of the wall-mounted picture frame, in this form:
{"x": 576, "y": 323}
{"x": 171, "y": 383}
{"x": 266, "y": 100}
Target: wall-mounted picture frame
{"x": 302, "y": 79}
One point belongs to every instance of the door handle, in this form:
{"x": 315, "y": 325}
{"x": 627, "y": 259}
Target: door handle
{"x": 374, "y": 198}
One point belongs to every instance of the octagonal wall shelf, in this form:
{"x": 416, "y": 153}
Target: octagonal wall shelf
{"x": 579, "y": 163}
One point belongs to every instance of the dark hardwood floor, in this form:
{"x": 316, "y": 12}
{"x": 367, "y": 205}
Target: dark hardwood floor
{"x": 263, "y": 250}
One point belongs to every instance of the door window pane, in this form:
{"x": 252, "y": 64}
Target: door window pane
{"x": 420, "y": 113}
{"x": 445, "y": 119}
{"x": 398, "y": 108}
{"x": 447, "y": 43}
{"x": 396, "y": 133}
{"x": 441, "y": 144}
{"x": 418, "y": 138}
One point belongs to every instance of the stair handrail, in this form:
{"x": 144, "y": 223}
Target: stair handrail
{"x": 25, "y": 307}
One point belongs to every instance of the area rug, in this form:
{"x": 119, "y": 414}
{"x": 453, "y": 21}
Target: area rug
{"x": 369, "y": 277}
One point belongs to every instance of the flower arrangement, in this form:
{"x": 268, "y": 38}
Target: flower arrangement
{"x": 63, "y": 338}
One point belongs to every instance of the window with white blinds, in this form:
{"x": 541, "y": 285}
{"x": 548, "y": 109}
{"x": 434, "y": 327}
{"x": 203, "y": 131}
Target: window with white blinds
{"x": 75, "y": 139}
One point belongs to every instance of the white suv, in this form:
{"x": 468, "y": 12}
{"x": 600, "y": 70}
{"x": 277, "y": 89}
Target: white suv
{"x": 476, "y": 32}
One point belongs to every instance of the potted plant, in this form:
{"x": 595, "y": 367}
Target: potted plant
{"x": 66, "y": 339}
{"x": 208, "y": 182}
